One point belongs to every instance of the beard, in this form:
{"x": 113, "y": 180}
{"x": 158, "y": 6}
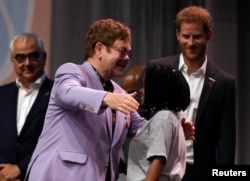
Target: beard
{"x": 193, "y": 53}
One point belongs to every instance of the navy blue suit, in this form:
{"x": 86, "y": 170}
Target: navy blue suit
{"x": 16, "y": 149}
{"x": 215, "y": 120}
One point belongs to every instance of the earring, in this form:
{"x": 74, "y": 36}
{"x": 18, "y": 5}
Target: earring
{"x": 99, "y": 57}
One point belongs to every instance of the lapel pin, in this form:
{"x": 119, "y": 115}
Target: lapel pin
{"x": 211, "y": 82}
{"x": 47, "y": 93}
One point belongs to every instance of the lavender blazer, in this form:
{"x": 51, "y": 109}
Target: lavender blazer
{"x": 77, "y": 142}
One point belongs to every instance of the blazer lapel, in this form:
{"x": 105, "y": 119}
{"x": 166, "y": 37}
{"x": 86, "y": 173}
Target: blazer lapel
{"x": 95, "y": 83}
{"x": 93, "y": 77}
{"x": 41, "y": 100}
{"x": 109, "y": 122}
{"x": 120, "y": 119}
{"x": 208, "y": 86}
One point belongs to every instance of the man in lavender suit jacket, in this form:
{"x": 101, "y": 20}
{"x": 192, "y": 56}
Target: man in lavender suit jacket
{"x": 77, "y": 142}
{"x": 86, "y": 125}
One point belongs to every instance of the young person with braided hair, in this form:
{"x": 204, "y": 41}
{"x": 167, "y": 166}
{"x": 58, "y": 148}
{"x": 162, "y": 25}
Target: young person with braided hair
{"x": 157, "y": 152}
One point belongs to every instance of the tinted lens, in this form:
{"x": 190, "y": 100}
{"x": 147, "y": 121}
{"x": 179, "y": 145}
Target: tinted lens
{"x": 125, "y": 52}
{"x": 34, "y": 56}
{"x": 20, "y": 57}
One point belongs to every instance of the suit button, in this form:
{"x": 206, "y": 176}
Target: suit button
{"x": 106, "y": 165}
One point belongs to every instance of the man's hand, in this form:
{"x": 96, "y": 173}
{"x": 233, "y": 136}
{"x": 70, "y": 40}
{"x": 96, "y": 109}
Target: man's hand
{"x": 122, "y": 102}
{"x": 188, "y": 128}
{"x": 9, "y": 172}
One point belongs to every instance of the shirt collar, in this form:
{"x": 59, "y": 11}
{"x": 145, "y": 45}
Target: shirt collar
{"x": 183, "y": 66}
{"x": 35, "y": 85}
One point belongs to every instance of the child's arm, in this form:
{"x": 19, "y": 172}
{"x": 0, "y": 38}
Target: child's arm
{"x": 155, "y": 169}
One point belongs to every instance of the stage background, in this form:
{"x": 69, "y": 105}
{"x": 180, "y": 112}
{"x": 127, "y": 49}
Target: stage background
{"x": 18, "y": 16}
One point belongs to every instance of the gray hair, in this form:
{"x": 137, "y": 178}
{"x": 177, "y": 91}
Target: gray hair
{"x": 28, "y": 35}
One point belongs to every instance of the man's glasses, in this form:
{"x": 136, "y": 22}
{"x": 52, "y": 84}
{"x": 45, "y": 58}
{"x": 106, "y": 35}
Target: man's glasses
{"x": 123, "y": 51}
{"x": 33, "y": 57}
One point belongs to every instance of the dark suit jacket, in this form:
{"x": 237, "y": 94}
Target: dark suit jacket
{"x": 215, "y": 120}
{"x": 16, "y": 149}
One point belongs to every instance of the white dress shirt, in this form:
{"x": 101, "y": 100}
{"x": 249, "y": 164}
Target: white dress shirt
{"x": 26, "y": 100}
{"x": 195, "y": 81}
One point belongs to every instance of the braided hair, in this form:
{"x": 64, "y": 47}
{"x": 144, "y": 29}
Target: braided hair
{"x": 165, "y": 89}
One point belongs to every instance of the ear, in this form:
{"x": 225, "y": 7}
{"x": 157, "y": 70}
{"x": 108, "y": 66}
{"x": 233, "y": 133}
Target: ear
{"x": 177, "y": 31}
{"x": 98, "y": 47}
{"x": 209, "y": 34}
